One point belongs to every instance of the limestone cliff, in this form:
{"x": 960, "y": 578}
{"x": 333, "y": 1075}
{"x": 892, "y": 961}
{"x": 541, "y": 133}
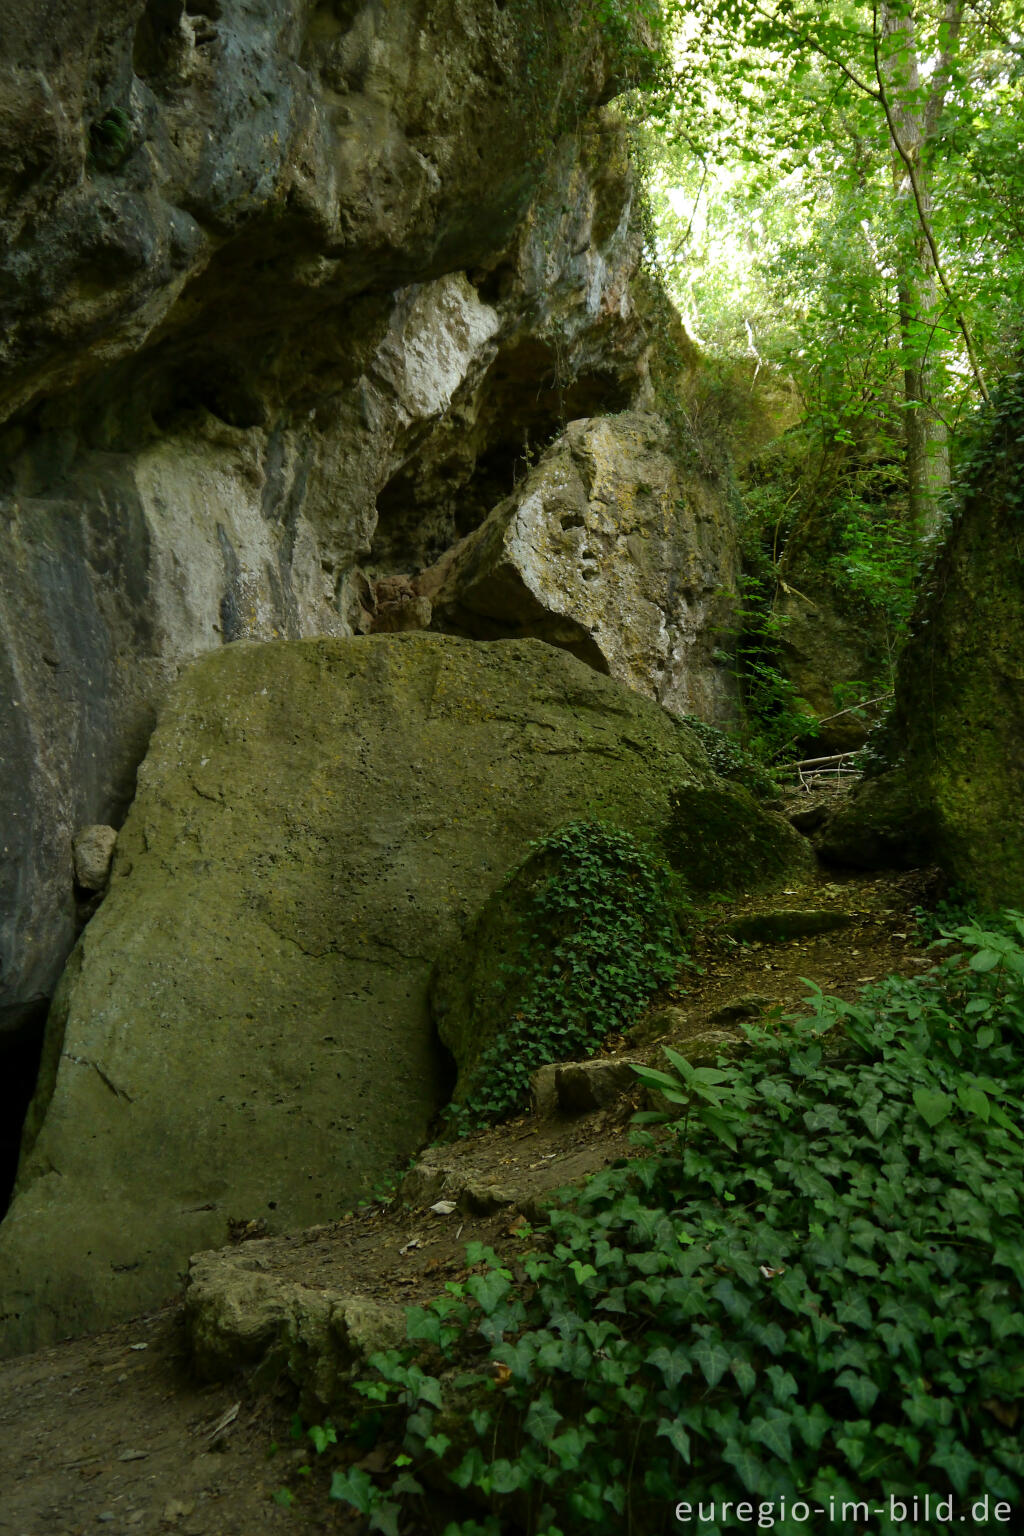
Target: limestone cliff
{"x": 284, "y": 288}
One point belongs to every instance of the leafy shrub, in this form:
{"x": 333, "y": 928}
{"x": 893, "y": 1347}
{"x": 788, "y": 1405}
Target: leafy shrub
{"x": 731, "y": 761}
{"x": 598, "y": 937}
{"x": 832, "y": 1311}
{"x": 110, "y": 139}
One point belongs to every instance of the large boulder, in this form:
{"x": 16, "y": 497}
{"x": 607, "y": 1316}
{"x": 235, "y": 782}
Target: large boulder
{"x": 243, "y": 1031}
{"x": 951, "y": 786}
{"x": 605, "y": 549}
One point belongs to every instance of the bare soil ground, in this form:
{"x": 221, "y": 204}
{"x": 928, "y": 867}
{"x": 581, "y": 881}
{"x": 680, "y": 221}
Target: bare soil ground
{"x": 112, "y": 1433}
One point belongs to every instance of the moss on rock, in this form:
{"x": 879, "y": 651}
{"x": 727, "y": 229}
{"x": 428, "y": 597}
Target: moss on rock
{"x": 955, "y": 795}
{"x": 720, "y": 839}
{"x": 244, "y": 1033}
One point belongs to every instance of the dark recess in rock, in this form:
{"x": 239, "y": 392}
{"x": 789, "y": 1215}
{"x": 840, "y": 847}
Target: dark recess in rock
{"x": 20, "y": 1049}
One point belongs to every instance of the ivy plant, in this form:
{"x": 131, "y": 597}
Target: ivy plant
{"x": 598, "y": 936}
{"x": 825, "y": 1305}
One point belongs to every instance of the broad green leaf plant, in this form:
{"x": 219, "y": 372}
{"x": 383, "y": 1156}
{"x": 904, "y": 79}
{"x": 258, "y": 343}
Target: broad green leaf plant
{"x": 812, "y": 1289}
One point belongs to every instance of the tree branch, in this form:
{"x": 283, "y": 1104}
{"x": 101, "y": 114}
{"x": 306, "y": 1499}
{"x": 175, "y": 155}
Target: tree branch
{"x": 881, "y": 95}
{"x": 953, "y": 20}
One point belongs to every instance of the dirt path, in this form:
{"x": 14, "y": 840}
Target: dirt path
{"x": 109, "y": 1433}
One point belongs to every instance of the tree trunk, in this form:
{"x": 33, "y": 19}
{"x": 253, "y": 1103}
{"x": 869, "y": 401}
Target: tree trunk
{"x": 927, "y": 450}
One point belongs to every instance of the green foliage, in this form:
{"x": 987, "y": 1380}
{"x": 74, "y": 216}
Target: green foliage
{"x": 874, "y": 559}
{"x": 598, "y": 938}
{"x": 990, "y": 447}
{"x": 793, "y": 239}
{"x": 110, "y": 139}
{"x": 708, "y": 1096}
{"x": 824, "y": 1299}
{"x": 732, "y": 761}
{"x": 775, "y": 717}
{"x": 832, "y": 521}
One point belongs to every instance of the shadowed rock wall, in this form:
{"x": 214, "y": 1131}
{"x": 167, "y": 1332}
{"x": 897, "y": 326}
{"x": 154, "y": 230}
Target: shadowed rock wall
{"x": 282, "y": 289}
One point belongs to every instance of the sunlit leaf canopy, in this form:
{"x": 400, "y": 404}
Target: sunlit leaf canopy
{"x": 788, "y": 224}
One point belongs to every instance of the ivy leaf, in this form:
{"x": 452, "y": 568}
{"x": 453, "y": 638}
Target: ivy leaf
{"x": 745, "y": 1375}
{"x": 956, "y": 1461}
{"x": 713, "y": 1359}
{"x": 355, "y": 1487}
{"x": 773, "y": 1433}
{"x": 932, "y": 1105}
{"x": 673, "y": 1364}
{"x": 861, "y": 1388}
{"x": 385, "y": 1517}
{"x": 677, "y": 1437}
{"x": 745, "y": 1463}
{"x": 542, "y": 1418}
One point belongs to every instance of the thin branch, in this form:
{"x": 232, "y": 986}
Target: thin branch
{"x": 926, "y": 228}
{"x": 987, "y": 20}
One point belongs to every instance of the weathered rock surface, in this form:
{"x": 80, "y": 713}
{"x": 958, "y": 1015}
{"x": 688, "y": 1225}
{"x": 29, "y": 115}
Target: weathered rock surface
{"x": 93, "y": 851}
{"x": 243, "y": 1031}
{"x": 241, "y": 1315}
{"x": 604, "y": 550}
{"x": 953, "y": 794}
{"x": 282, "y": 288}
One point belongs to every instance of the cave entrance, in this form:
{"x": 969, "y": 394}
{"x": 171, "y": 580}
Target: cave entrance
{"x": 20, "y": 1051}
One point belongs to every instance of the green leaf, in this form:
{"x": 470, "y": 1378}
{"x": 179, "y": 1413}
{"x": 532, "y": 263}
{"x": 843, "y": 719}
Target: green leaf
{"x": 422, "y": 1324}
{"x": 745, "y": 1375}
{"x": 745, "y": 1464}
{"x": 323, "y": 1435}
{"x": 677, "y": 1437}
{"x": 974, "y": 1100}
{"x": 542, "y": 1418}
{"x": 955, "y": 1460}
{"x": 932, "y": 1105}
{"x": 773, "y": 1433}
{"x": 673, "y": 1363}
{"x": 385, "y": 1518}
{"x": 861, "y": 1388}
{"x": 713, "y": 1359}
{"x": 355, "y": 1487}
{"x": 488, "y": 1290}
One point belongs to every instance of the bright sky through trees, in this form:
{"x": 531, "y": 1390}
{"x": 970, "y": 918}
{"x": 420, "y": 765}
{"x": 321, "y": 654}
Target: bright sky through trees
{"x": 840, "y": 191}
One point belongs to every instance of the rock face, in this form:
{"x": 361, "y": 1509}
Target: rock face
{"x": 604, "y": 551}
{"x": 953, "y": 793}
{"x": 282, "y": 288}
{"x": 93, "y": 850}
{"x": 243, "y": 1031}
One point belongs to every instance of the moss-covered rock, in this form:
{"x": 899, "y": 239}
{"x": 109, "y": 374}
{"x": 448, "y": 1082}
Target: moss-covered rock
{"x": 785, "y": 924}
{"x": 955, "y": 793}
{"x": 720, "y": 839}
{"x": 244, "y": 1031}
